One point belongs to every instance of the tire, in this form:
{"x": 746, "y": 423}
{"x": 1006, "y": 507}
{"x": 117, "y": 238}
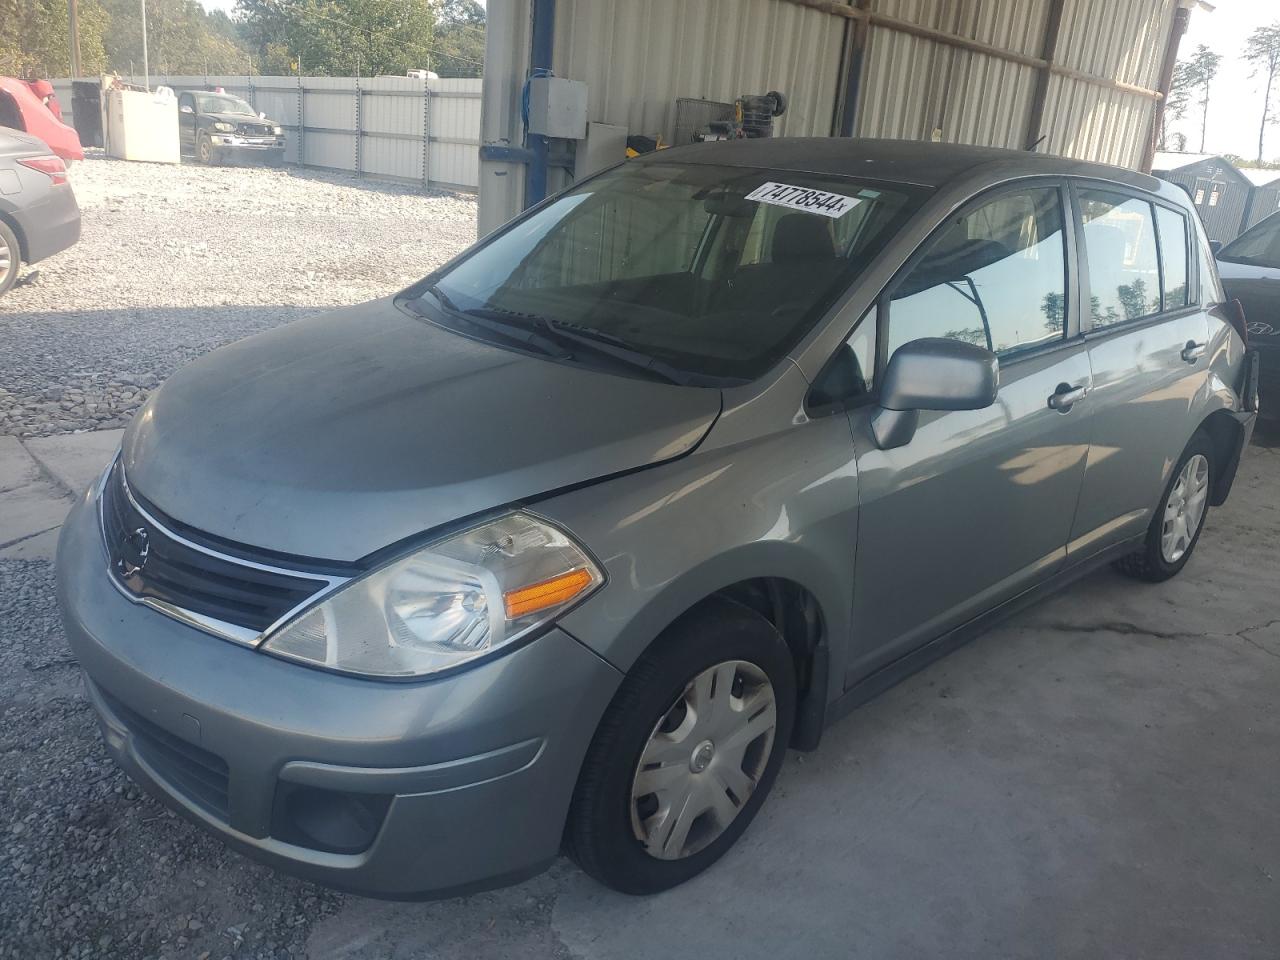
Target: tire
{"x": 653, "y": 710}
{"x": 1155, "y": 563}
{"x": 204, "y": 149}
{"x": 10, "y": 258}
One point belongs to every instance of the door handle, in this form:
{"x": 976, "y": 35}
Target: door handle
{"x": 1067, "y": 396}
{"x": 1193, "y": 351}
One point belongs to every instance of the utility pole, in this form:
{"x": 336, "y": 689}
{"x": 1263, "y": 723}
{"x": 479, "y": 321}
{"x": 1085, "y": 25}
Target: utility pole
{"x": 73, "y": 20}
{"x": 146, "y": 66}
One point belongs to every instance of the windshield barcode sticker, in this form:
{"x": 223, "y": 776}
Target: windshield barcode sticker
{"x": 804, "y": 198}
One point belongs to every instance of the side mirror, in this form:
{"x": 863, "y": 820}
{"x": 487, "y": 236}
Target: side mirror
{"x": 932, "y": 374}
{"x": 185, "y": 109}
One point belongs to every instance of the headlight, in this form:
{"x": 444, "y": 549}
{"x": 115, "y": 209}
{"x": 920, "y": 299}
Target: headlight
{"x": 277, "y": 131}
{"x": 223, "y": 127}
{"x": 454, "y": 601}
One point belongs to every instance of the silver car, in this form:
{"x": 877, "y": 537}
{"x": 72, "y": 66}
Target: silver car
{"x": 39, "y": 215}
{"x": 562, "y": 547}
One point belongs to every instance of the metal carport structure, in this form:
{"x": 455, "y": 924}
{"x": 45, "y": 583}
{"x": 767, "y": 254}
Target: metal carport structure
{"x": 1080, "y": 78}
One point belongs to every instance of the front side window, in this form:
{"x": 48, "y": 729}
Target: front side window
{"x": 995, "y": 277}
{"x": 1173, "y": 257}
{"x": 1124, "y": 268}
{"x": 712, "y": 270}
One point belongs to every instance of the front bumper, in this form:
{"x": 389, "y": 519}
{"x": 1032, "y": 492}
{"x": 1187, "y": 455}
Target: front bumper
{"x": 231, "y": 148}
{"x": 467, "y": 778}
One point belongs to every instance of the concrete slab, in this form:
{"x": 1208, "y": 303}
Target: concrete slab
{"x": 1095, "y": 778}
{"x": 17, "y": 469}
{"x": 42, "y": 546}
{"x": 29, "y": 510}
{"x": 75, "y": 460}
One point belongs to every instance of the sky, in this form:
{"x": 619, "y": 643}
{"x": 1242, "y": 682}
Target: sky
{"x": 1235, "y": 99}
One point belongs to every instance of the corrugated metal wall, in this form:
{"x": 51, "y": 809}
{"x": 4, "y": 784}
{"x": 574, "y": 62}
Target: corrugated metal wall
{"x": 1120, "y": 39}
{"x": 637, "y": 58}
{"x": 918, "y": 88}
{"x": 1265, "y": 202}
{"x": 407, "y": 130}
{"x": 915, "y": 88}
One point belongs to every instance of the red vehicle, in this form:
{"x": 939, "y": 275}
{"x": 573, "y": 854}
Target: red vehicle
{"x": 22, "y": 109}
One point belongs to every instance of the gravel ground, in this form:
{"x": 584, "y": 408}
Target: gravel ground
{"x": 176, "y": 260}
{"x": 173, "y": 262}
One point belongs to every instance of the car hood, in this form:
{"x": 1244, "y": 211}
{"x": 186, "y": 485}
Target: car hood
{"x": 336, "y": 436}
{"x": 239, "y": 118}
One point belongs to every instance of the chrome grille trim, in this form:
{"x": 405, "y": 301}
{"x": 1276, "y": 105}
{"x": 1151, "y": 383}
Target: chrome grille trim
{"x": 235, "y": 633}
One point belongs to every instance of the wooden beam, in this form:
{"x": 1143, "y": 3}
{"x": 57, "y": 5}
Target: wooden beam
{"x": 1048, "y": 50}
{"x": 974, "y": 46}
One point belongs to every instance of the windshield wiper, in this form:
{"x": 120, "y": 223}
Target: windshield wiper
{"x": 617, "y": 349}
{"x": 493, "y": 322}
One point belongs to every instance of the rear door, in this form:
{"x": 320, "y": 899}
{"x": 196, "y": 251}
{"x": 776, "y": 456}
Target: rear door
{"x": 978, "y": 505}
{"x": 1148, "y": 337}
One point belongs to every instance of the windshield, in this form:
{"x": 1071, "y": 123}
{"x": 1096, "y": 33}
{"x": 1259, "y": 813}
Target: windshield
{"x": 714, "y": 271}
{"x": 223, "y": 103}
{"x": 1259, "y": 245}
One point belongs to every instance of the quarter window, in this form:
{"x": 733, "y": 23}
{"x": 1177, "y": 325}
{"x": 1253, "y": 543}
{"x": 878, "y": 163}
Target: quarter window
{"x": 1124, "y": 270}
{"x": 995, "y": 277}
{"x": 1173, "y": 257}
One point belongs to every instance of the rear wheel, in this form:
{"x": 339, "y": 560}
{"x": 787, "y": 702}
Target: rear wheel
{"x": 1179, "y": 519}
{"x": 686, "y": 753}
{"x": 10, "y": 258}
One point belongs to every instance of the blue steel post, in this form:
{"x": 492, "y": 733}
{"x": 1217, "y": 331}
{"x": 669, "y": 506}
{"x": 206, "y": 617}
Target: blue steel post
{"x": 544, "y": 29}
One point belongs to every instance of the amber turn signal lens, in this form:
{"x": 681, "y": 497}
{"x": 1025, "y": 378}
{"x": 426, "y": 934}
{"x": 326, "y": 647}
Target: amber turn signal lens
{"x": 548, "y": 593}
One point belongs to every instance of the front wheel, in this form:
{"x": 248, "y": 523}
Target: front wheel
{"x": 686, "y": 753}
{"x": 204, "y": 149}
{"x": 1179, "y": 519}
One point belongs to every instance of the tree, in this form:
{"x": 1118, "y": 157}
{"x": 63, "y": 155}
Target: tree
{"x": 181, "y": 39}
{"x": 460, "y": 39}
{"x": 34, "y": 38}
{"x": 1176, "y": 103}
{"x": 1198, "y": 74}
{"x": 1262, "y": 49}
{"x": 329, "y": 37}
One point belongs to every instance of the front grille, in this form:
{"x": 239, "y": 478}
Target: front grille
{"x": 200, "y": 776}
{"x": 151, "y": 563}
{"x": 253, "y": 130}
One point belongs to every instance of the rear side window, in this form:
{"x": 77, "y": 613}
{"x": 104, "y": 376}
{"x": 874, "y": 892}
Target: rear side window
{"x": 994, "y": 276}
{"x": 1124, "y": 269}
{"x": 1173, "y": 257}
{"x": 1210, "y": 285}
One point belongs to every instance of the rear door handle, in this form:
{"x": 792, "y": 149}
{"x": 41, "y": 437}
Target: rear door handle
{"x": 1193, "y": 351}
{"x": 1067, "y": 396}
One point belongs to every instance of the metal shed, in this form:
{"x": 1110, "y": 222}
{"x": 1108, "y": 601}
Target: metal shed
{"x": 1264, "y": 199}
{"x": 1079, "y": 78}
{"x": 1219, "y": 190}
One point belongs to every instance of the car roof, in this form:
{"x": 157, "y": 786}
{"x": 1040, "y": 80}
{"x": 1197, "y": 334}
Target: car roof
{"x": 920, "y": 162}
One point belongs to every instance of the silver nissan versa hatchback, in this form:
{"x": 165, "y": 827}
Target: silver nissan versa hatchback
{"x": 562, "y": 547}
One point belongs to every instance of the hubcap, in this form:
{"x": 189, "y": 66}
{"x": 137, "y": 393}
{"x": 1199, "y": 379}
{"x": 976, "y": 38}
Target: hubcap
{"x": 703, "y": 760}
{"x": 1184, "y": 510}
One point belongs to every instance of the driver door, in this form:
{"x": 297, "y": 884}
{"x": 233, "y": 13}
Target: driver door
{"x": 187, "y": 122}
{"x": 977, "y": 506}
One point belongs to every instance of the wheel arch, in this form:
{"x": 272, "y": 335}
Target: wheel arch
{"x": 9, "y": 221}
{"x": 784, "y": 583}
{"x": 1227, "y": 434}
